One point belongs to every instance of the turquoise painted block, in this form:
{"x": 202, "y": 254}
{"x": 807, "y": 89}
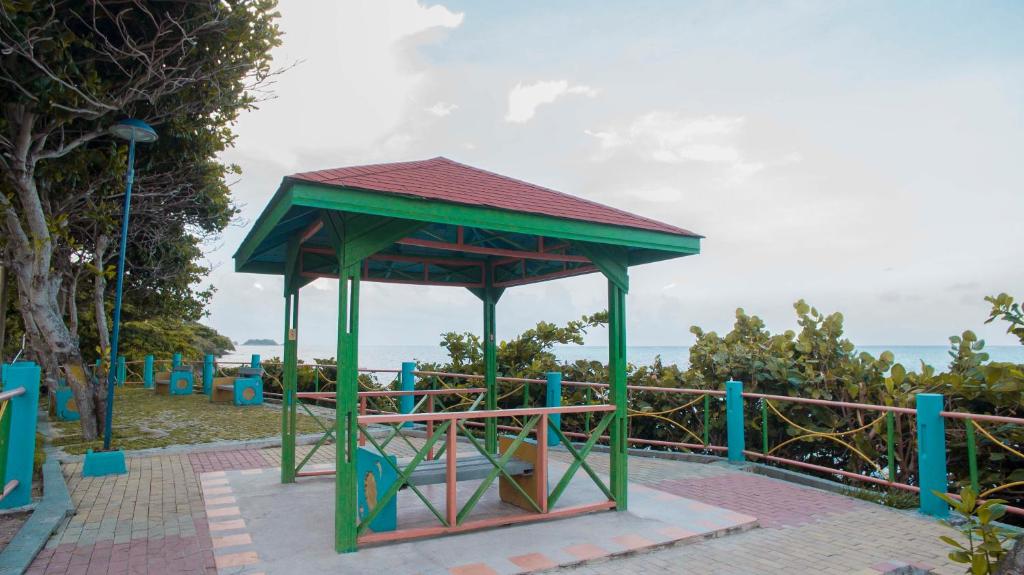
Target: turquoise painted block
{"x": 147, "y": 373}
{"x": 407, "y": 383}
{"x": 248, "y": 391}
{"x": 122, "y": 371}
{"x": 176, "y": 360}
{"x": 931, "y": 454}
{"x": 255, "y": 361}
{"x": 373, "y": 478}
{"x": 208, "y": 369}
{"x": 181, "y": 381}
{"x": 734, "y": 420}
{"x": 100, "y": 463}
{"x": 21, "y": 447}
{"x": 553, "y": 398}
{"x": 64, "y": 404}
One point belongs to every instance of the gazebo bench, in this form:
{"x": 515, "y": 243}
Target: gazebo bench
{"x": 374, "y": 477}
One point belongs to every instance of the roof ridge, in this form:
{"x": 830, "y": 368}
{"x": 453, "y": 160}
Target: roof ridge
{"x": 387, "y": 167}
{"x": 566, "y": 194}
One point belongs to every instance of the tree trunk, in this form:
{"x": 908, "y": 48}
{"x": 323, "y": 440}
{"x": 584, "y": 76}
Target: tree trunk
{"x": 99, "y": 291}
{"x": 55, "y": 347}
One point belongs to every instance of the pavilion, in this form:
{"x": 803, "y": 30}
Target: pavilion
{"x": 442, "y": 223}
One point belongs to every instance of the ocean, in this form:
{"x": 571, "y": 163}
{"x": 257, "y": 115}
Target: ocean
{"x": 392, "y": 356}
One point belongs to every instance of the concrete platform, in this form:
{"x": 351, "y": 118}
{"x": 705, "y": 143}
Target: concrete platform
{"x": 261, "y": 526}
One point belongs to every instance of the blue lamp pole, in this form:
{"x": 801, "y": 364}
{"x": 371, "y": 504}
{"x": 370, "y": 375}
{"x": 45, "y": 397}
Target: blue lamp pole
{"x": 133, "y": 131}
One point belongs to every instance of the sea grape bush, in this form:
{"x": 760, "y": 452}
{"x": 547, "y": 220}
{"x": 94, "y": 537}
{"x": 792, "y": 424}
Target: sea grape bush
{"x": 815, "y": 361}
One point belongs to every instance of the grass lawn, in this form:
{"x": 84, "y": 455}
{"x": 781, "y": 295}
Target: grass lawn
{"x": 143, "y": 420}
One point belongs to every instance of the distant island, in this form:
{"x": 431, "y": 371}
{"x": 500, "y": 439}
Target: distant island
{"x": 260, "y": 342}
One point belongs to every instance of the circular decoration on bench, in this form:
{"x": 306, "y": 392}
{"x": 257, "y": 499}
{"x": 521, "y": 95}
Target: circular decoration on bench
{"x": 70, "y": 404}
{"x": 248, "y": 393}
{"x": 181, "y": 383}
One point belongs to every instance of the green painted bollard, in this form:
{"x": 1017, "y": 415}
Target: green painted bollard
{"x": 255, "y": 361}
{"x": 407, "y": 383}
{"x": 931, "y": 453}
{"x": 147, "y": 373}
{"x": 553, "y": 398}
{"x": 208, "y": 374}
{"x": 21, "y": 440}
{"x": 734, "y": 420}
{"x": 176, "y": 361}
{"x": 122, "y": 371}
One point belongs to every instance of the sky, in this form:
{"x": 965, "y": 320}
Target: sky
{"x": 867, "y": 157}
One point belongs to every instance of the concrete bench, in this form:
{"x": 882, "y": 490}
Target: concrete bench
{"x": 178, "y": 381}
{"x": 246, "y": 389}
{"x": 374, "y": 477}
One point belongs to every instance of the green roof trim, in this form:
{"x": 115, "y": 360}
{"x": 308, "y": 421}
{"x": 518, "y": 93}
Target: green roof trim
{"x": 266, "y": 234}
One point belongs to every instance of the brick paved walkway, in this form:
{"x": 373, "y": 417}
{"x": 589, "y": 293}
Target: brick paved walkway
{"x": 153, "y": 520}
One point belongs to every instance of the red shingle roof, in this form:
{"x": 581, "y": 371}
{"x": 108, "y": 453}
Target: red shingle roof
{"x": 442, "y": 179}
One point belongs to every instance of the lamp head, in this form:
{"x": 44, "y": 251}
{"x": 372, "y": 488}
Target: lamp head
{"x": 129, "y": 127}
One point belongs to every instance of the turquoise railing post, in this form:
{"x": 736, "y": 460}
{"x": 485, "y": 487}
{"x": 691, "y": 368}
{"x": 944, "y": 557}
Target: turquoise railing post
{"x": 21, "y": 445}
{"x": 255, "y": 360}
{"x": 931, "y": 453}
{"x": 208, "y": 374}
{"x": 122, "y": 371}
{"x": 407, "y": 383}
{"x": 553, "y": 398}
{"x": 734, "y": 420}
{"x": 176, "y": 361}
{"x": 147, "y": 373}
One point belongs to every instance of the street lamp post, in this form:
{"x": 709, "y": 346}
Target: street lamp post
{"x": 133, "y": 131}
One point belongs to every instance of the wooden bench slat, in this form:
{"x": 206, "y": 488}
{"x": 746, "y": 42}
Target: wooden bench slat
{"x": 469, "y": 468}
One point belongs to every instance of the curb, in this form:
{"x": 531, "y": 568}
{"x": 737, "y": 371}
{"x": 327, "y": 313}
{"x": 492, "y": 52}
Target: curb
{"x": 304, "y": 439}
{"x": 50, "y": 513}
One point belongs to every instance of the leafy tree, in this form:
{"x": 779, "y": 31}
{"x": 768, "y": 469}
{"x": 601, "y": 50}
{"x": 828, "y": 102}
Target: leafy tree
{"x": 70, "y": 69}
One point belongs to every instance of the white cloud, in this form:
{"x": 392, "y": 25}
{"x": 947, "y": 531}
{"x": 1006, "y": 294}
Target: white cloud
{"x": 524, "y": 99}
{"x": 671, "y": 138}
{"x": 442, "y": 109}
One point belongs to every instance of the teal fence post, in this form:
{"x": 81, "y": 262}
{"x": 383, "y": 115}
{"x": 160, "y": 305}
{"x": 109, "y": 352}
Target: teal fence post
{"x": 21, "y": 444}
{"x": 255, "y": 361}
{"x": 208, "y": 374}
{"x": 147, "y": 373}
{"x": 734, "y": 420}
{"x": 931, "y": 453}
{"x": 176, "y": 361}
{"x": 122, "y": 371}
{"x": 553, "y": 398}
{"x": 407, "y": 383}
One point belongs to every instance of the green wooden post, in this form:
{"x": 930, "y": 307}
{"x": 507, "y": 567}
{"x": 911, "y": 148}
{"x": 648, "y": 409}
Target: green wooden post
{"x": 890, "y": 444}
{"x": 289, "y": 380}
{"x": 346, "y": 422}
{"x": 490, "y": 297}
{"x": 617, "y": 381}
{"x": 764, "y": 426}
{"x": 972, "y": 454}
{"x": 707, "y": 419}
